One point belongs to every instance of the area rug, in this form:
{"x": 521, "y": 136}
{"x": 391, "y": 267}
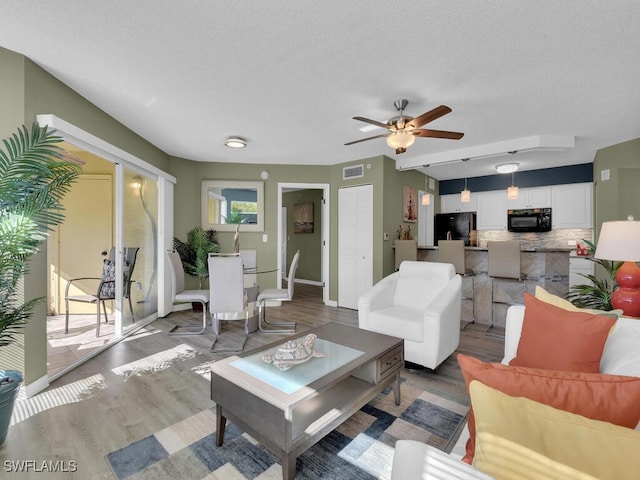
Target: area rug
{"x": 360, "y": 448}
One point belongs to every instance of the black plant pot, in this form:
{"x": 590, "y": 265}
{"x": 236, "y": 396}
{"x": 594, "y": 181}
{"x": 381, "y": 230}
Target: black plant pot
{"x": 10, "y": 381}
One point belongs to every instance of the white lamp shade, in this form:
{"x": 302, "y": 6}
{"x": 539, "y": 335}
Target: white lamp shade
{"x": 426, "y": 199}
{"x": 465, "y": 196}
{"x": 619, "y": 241}
{"x": 512, "y": 192}
{"x": 400, "y": 140}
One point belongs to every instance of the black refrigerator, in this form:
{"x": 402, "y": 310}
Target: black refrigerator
{"x": 455, "y": 226}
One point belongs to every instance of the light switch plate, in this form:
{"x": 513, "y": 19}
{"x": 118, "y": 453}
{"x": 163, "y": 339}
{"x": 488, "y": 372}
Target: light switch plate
{"x": 605, "y": 175}
{"x": 265, "y": 238}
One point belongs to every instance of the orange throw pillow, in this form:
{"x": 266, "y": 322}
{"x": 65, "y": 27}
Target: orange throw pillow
{"x": 556, "y": 339}
{"x": 599, "y": 396}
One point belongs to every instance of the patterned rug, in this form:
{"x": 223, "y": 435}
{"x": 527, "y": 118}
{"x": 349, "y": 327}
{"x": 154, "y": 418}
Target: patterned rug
{"x": 360, "y": 448}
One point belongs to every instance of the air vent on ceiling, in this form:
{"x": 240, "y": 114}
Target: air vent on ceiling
{"x": 354, "y": 171}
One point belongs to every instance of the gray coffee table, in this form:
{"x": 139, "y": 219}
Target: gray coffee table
{"x": 288, "y": 412}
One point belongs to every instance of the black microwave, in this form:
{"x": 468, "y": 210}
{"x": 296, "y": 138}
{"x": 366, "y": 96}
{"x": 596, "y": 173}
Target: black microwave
{"x": 529, "y": 220}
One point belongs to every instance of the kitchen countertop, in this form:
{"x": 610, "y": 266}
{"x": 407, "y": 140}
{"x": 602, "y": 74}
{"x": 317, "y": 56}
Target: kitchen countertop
{"x": 526, "y": 250}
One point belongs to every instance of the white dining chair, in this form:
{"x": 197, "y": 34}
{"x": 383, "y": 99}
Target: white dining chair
{"x": 278, "y": 294}
{"x": 180, "y": 295}
{"x": 227, "y": 299}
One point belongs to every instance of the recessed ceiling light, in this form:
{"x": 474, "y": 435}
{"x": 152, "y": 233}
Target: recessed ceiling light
{"x": 235, "y": 142}
{"x": 507, "y": 167}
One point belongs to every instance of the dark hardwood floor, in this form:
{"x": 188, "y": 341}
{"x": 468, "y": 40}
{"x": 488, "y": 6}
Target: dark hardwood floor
{"x": 151, "y": 380}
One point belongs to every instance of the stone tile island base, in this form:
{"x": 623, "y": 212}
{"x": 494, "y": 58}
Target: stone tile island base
{"x": 548, "y": 268}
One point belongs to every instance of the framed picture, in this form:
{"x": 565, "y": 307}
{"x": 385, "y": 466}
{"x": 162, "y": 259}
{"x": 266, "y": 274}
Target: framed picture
{"x": 409, "y": 204}
{"x": 303, "y": 217}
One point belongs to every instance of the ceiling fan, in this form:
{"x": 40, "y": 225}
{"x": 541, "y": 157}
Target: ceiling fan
{"x": 404, "y": 129}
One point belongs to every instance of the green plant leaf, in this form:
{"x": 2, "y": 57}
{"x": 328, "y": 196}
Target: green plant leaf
{"x": 33, "y": 182}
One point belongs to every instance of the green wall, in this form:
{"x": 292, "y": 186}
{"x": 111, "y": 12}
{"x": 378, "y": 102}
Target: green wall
{"x": 618, "y": 197}
{"x": 189, "y": 175}
{"x": 26, "y": 90}
{"x": 309, "y": 244}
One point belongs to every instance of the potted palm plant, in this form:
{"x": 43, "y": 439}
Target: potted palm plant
{"x": 33, "y": 182}
{"x": 194, "y": 253}
{"x": 597, "y": 293}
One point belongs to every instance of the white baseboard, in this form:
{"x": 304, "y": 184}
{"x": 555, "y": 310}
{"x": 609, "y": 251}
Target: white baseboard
{"x": 36, "y": 386}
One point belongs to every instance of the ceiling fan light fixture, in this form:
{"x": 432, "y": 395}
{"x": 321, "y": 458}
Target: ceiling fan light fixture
{"x": 507, "y": 167}
{"x": 401, "y": 140}
{"x": 235, "y": 142}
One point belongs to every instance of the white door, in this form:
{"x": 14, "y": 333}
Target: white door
{"x": 355, "y": 244}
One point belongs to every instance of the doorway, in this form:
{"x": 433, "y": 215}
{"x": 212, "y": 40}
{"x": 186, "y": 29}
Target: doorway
{"x": 311, "y": 240}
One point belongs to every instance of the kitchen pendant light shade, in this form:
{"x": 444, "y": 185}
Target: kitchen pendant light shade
{"x": 426, "y": 199}
{"x": 512, "y": 191}
{"x": 465, "y": 195}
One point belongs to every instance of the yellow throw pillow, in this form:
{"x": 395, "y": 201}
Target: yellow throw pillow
{"x": 542, "y": 294}
{"x": 519, "y": 438}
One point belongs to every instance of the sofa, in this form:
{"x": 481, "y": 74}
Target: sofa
{"x": 420, "y": 303}
{"x": 620, "y": 357}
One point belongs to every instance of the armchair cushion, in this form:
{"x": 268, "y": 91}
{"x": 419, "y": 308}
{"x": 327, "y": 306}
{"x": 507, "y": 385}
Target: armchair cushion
{"x": 417, "y": 286}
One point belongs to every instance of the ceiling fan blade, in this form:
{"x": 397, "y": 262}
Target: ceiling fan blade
{"x": 372, "y": 122}
{"x": 368, "y": 138}
{"x": 437, "y": 134}
{"x": 429, "y": 116}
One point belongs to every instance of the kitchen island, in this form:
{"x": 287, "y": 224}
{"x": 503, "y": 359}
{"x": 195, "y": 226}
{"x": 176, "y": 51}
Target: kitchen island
{"x": 547, "y": 267}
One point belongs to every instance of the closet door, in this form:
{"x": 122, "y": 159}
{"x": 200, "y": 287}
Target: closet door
{"x": 355, "y": 244}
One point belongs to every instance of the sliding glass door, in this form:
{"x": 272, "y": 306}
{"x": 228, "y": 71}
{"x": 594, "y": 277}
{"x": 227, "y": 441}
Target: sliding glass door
{"x": 137, "y": 240}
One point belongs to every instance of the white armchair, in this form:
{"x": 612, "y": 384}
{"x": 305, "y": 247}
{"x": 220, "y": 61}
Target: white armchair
{"x": 420, "y": 303}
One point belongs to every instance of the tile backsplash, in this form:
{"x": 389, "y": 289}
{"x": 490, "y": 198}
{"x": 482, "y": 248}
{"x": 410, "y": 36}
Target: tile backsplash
{"x": 553, "y": 239}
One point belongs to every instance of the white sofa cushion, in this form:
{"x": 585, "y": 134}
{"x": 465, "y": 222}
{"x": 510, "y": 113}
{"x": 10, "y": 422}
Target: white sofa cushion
{"x": 416, "y": 460}
{"x": 621, "y": 354}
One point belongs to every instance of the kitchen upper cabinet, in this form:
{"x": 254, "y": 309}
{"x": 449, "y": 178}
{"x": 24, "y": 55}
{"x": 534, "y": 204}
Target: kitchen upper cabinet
{"x": 536, "y": 197}
{"x": 572, "y": 205}
{"x": 451, "y": 204}
{"x": 492, "y": 210}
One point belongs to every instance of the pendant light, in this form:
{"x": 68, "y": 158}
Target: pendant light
{"x": 426, "y": 197}
{"x": 465, "y": 195}
{"x": 512, "y": 191}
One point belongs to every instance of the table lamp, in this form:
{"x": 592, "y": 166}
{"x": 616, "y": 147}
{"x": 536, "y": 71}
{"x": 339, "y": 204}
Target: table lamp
{"x": 620, "y": 241}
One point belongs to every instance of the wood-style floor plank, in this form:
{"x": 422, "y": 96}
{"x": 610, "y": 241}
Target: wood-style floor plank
{"x": 97, "y": 408}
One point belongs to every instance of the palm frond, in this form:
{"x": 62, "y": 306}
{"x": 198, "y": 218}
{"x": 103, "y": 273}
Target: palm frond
{"x": 33, "y": 183}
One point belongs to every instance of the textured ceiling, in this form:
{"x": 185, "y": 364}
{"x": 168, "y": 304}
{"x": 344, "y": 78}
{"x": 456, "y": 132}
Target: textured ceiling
{"x": 289, "y": 75}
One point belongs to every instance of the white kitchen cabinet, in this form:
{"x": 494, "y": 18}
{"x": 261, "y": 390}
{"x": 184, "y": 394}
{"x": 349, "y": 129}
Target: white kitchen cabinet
{"x": 579, "y": 266}
{"x": 491, "y": 210}
{"x": 451, "y": 203}
{"x": 536, "y": 197}
{"x": 572, "y": 205}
